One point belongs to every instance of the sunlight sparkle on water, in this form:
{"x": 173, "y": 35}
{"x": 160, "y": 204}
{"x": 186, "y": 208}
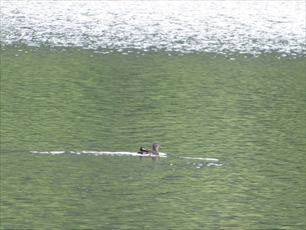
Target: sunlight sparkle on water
{"x": 222, "y": 27}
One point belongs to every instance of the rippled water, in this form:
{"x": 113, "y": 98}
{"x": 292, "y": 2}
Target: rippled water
{"x": 248, "y": 113}
{"x": 185, "y": 26}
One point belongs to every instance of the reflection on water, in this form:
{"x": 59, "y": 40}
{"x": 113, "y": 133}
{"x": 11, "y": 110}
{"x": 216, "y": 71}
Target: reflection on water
{"x": 223, "y": 27}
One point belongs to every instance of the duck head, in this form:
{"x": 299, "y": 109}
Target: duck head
{"x": 156, "y": 146}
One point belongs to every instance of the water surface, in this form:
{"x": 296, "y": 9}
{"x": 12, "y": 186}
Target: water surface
{"x": 250, "y": 27}
{"x": 248, "y": 113}
{"x": 85, "y": 84}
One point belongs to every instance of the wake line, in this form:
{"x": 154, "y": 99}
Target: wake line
{"x": 101, "y": 153}
{"x": 97, "y": 153}
{"x": 200, "y": 158}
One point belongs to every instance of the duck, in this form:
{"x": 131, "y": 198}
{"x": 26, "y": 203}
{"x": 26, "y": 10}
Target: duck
{"x": 155, "y": 148}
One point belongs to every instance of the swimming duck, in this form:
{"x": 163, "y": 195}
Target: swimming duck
{"x": 155, "y": 148}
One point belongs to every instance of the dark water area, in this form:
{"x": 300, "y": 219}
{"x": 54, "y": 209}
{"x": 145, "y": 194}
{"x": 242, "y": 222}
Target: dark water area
{"x": 247, "y": 112}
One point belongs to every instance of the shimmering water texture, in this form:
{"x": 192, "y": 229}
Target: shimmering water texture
{"x": 194, "y": 161}
{"x": 246, "y": 27}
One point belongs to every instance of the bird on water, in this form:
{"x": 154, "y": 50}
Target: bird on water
{"x": 154, "y": 150}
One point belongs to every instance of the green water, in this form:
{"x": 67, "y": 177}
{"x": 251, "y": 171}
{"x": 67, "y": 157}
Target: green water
{"x": 249, "y": 113}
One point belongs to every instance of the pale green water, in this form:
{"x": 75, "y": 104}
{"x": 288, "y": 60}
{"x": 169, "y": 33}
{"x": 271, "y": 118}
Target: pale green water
{"x": 249, "y": 113}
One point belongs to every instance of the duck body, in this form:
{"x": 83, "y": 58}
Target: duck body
{"x": 142, "y": 150}
{"x": 154, "y": 150}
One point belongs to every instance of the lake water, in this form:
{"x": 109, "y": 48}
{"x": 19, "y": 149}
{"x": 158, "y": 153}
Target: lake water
{"x": 84, "y": 85}
{"x": 242, "y": 26}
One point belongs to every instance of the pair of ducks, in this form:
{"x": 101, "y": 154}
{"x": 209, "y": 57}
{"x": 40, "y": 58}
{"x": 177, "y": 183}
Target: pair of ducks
{"x": 155, "y": 148}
